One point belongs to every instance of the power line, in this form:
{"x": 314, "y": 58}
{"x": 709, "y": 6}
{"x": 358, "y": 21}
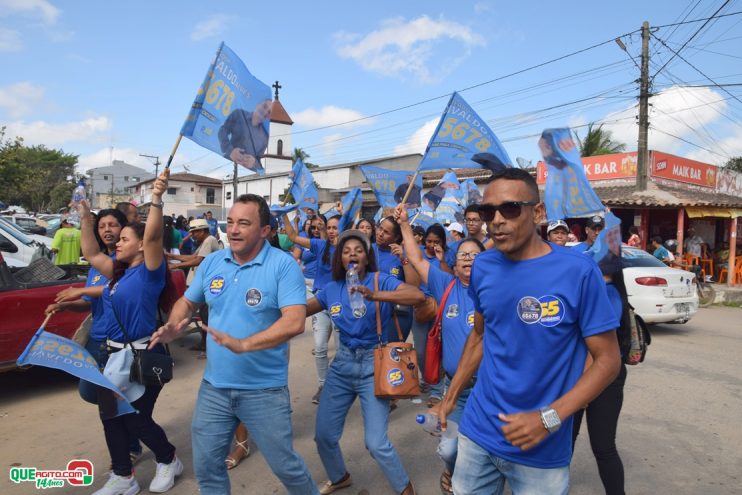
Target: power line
{"x": 699, "y": 20}
{"x": 688, "y": 142}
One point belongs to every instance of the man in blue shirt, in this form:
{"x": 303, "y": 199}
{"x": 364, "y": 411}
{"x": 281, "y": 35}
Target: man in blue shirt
{"x": 660, "y": 252}
{"x": 246, "y": 377}
{"x": 213, "y": 224}
{"x": 543, "y": 308}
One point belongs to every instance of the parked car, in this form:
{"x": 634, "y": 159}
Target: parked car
{"x": 221, "y": 233}
{"x": 26, "y": 223}
{"x": 51, "y": 222}
{"x": 18, "y": 248}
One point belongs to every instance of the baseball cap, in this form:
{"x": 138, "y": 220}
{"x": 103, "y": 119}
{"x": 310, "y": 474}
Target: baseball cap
{"x": 555, "y": 225}
{"x": 456, "y": 227}
{"x": 198, "y": 224}
{"x": 117, "y": 371}
{"x": 595, "y": 221}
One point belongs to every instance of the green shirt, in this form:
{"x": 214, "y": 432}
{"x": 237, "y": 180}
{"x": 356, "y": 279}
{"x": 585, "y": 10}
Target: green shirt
{"x": 67, "y": 243}
{"x": 285, "y": 242}
{"x": 177, "y": 239}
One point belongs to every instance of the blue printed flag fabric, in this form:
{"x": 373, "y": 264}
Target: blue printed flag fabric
{"x": 567, "y": 193}
{"x": 463, "y": 140}
{"x": 280, "y": 210}
{"x": 231, "y": 112}
{"x": 606, "y": 250}
{"x": 302, "y": 188}
{"x": 423, "y": 219}
{"x": 472, "y": 196}
{"x": 352, "y": 202}
{"x": 54, "y": 351}
{"x": 449, "y": 209}
{"x": 390, "y": 186}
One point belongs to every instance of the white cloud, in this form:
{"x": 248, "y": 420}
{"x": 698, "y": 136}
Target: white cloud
{"x": 32, "y": 8}
{"x": 10, "y": 40}
{"x": 90, "y": 130}
{"x": 483, "y": 7}
{"x": 212, "y": 26}
{"x": 399, "y": 48}
{"x": 419, "y": 139}
{"x": 19, "y": 99}
{"x": 731, "y": 144}
{"x": 329, "y": 115}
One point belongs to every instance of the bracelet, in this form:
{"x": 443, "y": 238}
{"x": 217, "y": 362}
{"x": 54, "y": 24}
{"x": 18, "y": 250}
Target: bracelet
{"x": 159, "y": 205}
{"x": 405, "y": 261}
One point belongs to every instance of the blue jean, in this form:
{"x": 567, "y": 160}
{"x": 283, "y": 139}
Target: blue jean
{"x": 420, "y": 336}
{"x": 351, "y": 375}
{"x": 448, "y": 447}
{"x": 267, "y": 416}
{"x": 479, "y": 473}
{"x": 321, "y": 328}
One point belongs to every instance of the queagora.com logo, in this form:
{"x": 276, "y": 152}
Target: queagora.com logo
{"x": 79, "y": 472}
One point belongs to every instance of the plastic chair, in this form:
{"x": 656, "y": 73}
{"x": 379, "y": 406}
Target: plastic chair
{"x": 707, "y": 265}
{"x": 736, "y": 275}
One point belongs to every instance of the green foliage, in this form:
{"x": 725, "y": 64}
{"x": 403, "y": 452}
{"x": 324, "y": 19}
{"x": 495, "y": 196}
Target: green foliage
{"x": 35, "y": 177}
{"x": 598, "y": 142}
{"x": 734, "y": 163}
{"x": 303, "y": 155}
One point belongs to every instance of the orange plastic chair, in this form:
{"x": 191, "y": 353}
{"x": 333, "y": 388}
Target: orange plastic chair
{"x": 736, "y": 275}
{"x": 707, "y": 265}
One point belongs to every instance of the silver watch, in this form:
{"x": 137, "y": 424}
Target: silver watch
{"x": 550, "y": 419}
{"x": 158, "y": 205}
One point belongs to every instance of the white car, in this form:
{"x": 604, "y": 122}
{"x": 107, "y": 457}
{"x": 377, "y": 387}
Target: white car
{"x": 658, "y": 293}
{"x": 18, "y": 248}
{"x": 221, "y": 234}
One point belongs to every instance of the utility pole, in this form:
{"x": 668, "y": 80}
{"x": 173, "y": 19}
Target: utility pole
{"x": 643, "y": 153}
{"x": 113, "y": 202}
{"x": 157, "y": 163}
{"x": 234, "y": 184}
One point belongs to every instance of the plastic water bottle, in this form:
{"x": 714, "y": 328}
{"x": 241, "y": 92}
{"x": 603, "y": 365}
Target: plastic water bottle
{"x": 357, "y": 304}
{"x": 431, "y": 424}
{"x": 77, "y": 195}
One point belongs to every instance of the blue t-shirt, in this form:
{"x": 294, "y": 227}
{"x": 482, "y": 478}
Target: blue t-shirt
{"x": 357, "y": 331}
{"x": 388, "y": 263}
{"x": 99, "y": 325}
{"x": 458, "y": 316}
{"x": 135, "y": 298}
{"x": 244, "y": 300}
{"x": 661, "y": 253}
{"x": 213, "y": 226}
{"x": 537, "y": 313}
{"x": 323, "y": 274}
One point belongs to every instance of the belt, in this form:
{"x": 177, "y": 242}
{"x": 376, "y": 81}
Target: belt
{"x": 468, "y": 385}
{"x": 140, "y": 344}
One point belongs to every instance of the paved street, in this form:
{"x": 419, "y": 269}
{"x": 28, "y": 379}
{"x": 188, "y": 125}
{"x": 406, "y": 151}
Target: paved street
{"x": 679, "y": 431}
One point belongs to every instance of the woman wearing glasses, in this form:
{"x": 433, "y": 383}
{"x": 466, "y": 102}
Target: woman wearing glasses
{"x": 457, "y": 322}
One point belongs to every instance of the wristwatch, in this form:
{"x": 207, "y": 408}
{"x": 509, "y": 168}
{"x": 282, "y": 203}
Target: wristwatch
{"x": 158, "y": 205}
{"x": 550, "y": 419}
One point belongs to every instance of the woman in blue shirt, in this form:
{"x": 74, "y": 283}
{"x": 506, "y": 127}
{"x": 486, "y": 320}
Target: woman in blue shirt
{"x": 351, "y": 373}
{"x": 137, "y": 278}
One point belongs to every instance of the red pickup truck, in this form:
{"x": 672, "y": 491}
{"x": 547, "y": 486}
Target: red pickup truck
{"x": 22, "y": 305}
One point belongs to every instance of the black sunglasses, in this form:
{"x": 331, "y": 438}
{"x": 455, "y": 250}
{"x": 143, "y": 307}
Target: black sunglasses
{"x": 509, "y": 210}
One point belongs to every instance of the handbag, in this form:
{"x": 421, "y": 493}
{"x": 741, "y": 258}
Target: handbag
{"x": 396, "y": 374}
{"x": 434, "y": 344}
{"x": 148, "y": 367}
{"x": 426, "y": 310}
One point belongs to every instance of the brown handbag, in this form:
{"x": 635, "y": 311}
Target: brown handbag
{"x": 426, "y": 310}
{"x": 396, "y": 374}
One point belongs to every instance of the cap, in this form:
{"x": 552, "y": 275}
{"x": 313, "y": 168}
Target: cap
{"x": 456, "y": 227}
{"x": 198, "y": 224}
{"x": 555, "y": 225}
{"x": 595, "y": 221}
{"x": 356, "y": 234}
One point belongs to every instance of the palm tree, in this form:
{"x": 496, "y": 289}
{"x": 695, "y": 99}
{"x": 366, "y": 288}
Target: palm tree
{"x": 598, "y": 142}
{"x": 300, "y": 154}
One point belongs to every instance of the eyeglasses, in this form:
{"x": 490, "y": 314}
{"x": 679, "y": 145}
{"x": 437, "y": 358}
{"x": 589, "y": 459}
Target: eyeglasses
{"x": 509, "y": 210}
{"x": 463, "y": 255}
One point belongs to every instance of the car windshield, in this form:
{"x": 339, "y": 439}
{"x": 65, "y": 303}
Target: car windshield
{"x": 223, "y": 227}
{"x": 633, "y": 257}
{"x": 14, "y": 231}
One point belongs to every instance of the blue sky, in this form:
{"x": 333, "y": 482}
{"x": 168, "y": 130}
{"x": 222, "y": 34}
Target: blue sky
{"x": 115, "y": 79}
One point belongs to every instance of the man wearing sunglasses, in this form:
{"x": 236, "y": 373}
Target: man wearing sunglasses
{"x": 543, "y": 308}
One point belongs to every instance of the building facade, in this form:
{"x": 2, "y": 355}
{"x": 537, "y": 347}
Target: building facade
{"x": 187, "y": 194}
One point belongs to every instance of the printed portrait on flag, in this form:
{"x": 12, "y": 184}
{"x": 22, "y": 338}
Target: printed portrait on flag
{"x": 243, "y": 138}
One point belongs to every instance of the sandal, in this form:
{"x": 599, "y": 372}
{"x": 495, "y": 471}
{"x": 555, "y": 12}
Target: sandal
{"x": 446, "y": 486}
{"x": 233, "y": 462}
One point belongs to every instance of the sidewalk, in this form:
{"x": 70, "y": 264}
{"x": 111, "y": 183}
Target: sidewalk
{"x": 727, "y": 295}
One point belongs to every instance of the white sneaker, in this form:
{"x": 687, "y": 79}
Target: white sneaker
{"x": 119, "y": 485}
{"x": 165, "y": 476}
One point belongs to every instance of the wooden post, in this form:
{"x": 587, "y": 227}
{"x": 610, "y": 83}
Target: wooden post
{"x": 644, "y": 228}
{"x": 681, "y": 230}
{"x": 732, "y": 252}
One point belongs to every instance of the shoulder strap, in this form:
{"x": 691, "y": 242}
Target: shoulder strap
{"x": 378, "y": 307}
{"x": 439, "y": 315}
{"x": 118, "y": 320}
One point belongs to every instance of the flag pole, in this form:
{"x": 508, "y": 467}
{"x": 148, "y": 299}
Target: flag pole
{"x": 34, "y": 339}
{"x": 409, "y": 188}
{"x": 172, "y": 153}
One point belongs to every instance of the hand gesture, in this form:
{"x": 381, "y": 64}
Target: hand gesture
{"x": 397, "y": 250}
{"x": 168, "y": 332}
{"x": 68, "y": 294}
{"x": 438, "y": 252}
{"x": 225, "y": 340}
{"x": 83, "y": 208}
{"x": 400, "y": 213}
{"x": 365, "y": 291}
{"x": 53, "y": 308}
{"x": 160, "y": 185}
{"x": 443, "y": 409}
{"x": 524, "y": 430}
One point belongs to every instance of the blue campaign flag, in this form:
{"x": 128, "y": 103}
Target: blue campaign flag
{"x": 352, "y": 202}
{"x": 606, "y": 250}
{"x": 471, "y": 193}
{"x": 231, "y": 112}
{"x": 378, "y": 215}
{"x": 279, "y": 210}
{"x": 463, "y": 140}
{"x": 302, "y": 187}
{"x": 423, "y": 219}
{"x": 567, "y": 193}
{"x": 54, "y": 351}
{"x": 390, "y": 186}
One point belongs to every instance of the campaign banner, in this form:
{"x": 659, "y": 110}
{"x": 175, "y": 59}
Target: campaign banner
{"x": 390, "y": 186}
{"x": 463, "y": 140}
{"x": 449, "y": 209}
{"x": 351, "y": 202}
{"x": 231, "y": 112}
{"x": 567, "y": 192}
{"x": 606, "y": 250}
{"x": 302, "y": 188}
{"x": 54, "y": 351}
{"x": 422, "y": 219}
{"x": 471, "y": 193}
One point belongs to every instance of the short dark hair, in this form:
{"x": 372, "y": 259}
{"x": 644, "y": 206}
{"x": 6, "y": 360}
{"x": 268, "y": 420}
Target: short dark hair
{"x": 473, "y": 208}
{"x": 124, "y": 206}
{"x": 338, "y": 270}
{"x": 395, "y": 227}
{"x": 437, "y": 229}
{"x": 472, "y": 240}
{"x": 512, "y": 173}
{"x": 264, "y": 212}
{"x": 657, "y": 239}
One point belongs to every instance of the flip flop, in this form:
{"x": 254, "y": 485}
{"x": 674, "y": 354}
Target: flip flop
{"x": 231, "y": 462}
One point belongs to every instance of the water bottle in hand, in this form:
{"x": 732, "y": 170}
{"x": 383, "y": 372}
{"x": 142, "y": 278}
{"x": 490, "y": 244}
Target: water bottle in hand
{"x": 357, "y": 304}
{"x": 431, "y": 424}
{"x": 77, "y": 196}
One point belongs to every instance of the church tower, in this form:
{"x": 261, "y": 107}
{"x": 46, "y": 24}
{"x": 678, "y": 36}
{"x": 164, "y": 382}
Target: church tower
{"x": 277, "y": 157}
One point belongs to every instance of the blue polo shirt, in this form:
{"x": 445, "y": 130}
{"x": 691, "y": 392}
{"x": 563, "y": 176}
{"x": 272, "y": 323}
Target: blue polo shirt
{"x": 99, "y": 325}
{"x": 357, "y": 331}
{"x": 135, "y": 297}
{"x": 388, "y": 263}
{"x": 244, "y": 300}
{"x": 537, "y": 314}
{"x": 661, "y": 253}
{"x": 323, "y": 274}
{"x": 458, "y": 316}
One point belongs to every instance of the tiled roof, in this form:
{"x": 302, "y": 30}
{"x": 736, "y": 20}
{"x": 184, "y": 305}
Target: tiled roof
{"x": 279, "y": 114}
{"x": 660, "y": 195}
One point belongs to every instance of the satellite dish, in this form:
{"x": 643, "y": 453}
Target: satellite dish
{"x": 523, "y": 163}
{"x": 186, "y": 168}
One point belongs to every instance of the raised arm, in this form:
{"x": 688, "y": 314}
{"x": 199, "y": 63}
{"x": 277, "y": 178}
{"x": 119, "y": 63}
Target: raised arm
{"x": 412, "y": 250}
{"x": 293, "y": 235}
{"x": 153, "y": 253}
{"x": 405, "y": 294}
{"x": 90, "y": 249}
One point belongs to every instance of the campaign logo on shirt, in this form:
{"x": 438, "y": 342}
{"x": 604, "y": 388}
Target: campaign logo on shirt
{"x": 216, "y": 285}
{"x": 335, "y": 310}
{"x": 394, "y": 271}
{"x": 452, "y": 311}
{"x": 95, "y": 279}
{"x": 253, "y": 297}
{"x": 547, "y": 310}
{"x": 360, "y": 312}
{"x": 395, "y": 377}
{"x": 529, "y": 310}
{"x": 470, "y": 319}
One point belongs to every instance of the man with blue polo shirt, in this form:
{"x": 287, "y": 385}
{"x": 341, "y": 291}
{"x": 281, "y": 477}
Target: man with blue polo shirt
{"x": 246, "y": 374}
{"x": 542, "y": 308}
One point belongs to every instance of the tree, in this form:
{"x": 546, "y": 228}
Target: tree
{"x": 734, "y": 163}
{"x": 598, "y": 142}
{"x": 300, "y": 154}
{"x": 35, "y": 177}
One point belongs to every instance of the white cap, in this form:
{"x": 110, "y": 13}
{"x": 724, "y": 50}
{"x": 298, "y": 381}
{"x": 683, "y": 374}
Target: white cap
{"x": 456, "y": 227}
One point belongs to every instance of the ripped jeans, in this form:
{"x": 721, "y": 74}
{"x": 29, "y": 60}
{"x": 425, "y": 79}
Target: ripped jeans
{"x": 322, "y": 327}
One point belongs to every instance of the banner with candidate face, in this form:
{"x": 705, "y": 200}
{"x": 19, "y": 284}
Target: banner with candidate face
{"x": 390, "y": 186}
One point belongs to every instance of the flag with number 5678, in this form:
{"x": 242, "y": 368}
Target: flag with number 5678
{"x": 463, "y": 140}
{"x": 231, "y": 112}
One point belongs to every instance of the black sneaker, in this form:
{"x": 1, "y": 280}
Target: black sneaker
{"x": 315, "y": 397}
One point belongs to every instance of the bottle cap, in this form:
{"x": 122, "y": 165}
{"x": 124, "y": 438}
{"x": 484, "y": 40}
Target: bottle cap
{"x": 420, "y": 418}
